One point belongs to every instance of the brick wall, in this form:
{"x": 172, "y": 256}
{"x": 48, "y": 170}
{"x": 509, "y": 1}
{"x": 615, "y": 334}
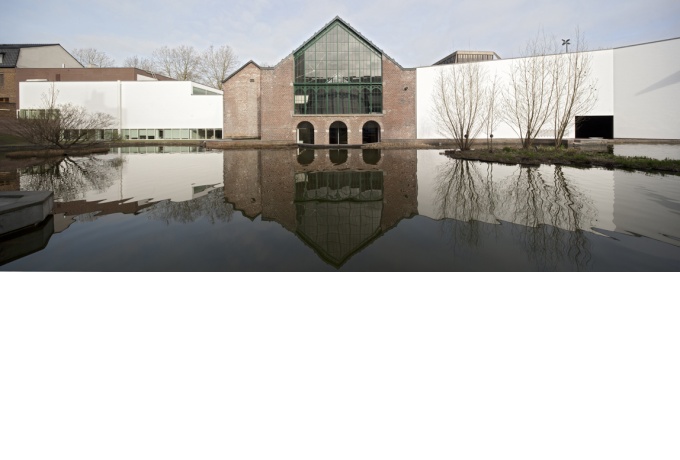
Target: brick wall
{"x": 277, "y": 102}
{"x": 9, "y": 87}
{"x": 242, "y": 103}
{"x": 399, "y": 101}
{"x": 87, "y": 74}
{"x": 275, "y": 111}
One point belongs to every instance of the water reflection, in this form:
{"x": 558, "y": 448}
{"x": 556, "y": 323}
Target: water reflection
{"x": 211, "y": 206}
{"x": 338, "y": 157}
{"x": 656, "y": 151}
{"x": 71, "y": 178}
{"x": 165, "y": 186}
{"x": 346, "y": 209}
{"x": 333, "y": 200}
{"x": 540, "y": 200}
{"x": 22, "y": 243}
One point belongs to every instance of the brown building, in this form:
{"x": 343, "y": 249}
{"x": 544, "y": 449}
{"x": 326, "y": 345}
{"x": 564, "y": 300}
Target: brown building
{"x": 337, "y": 88}
{"x": 16, "y": 58}
{"x": 19, "y": 63}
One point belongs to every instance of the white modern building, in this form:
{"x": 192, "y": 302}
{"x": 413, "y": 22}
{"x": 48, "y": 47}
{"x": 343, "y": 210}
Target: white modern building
{"x": 141, "y": 109}
{"x": 637, "y": 89}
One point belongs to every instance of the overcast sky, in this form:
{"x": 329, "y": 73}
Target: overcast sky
{"x": 413, "y": 32}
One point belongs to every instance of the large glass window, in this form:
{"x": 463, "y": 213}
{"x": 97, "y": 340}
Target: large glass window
{"x": 338, "y": 73}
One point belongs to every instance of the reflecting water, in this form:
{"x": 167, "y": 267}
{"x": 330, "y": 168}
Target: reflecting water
{"x": 656, "y": 151}
{"x": 345, "y": 209}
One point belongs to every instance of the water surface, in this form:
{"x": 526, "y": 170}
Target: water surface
{"x": 348, "y": 210}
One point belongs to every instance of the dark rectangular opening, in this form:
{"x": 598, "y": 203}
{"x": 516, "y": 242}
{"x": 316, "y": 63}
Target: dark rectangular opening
{"x": 595, "y": 126}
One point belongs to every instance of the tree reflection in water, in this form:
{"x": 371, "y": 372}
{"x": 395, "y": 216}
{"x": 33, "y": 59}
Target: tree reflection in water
{"x": 466, "y": 194}
{"x": 70, "y": 178}
{"x": 212, "y": 206}
{"x": 543, "y": 201}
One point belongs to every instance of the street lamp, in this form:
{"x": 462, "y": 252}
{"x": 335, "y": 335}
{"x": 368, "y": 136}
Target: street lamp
{"x": 566, "y": 43}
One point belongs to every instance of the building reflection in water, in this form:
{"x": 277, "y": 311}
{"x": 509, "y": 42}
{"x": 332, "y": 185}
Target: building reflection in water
{"x": 89, "y": 187}
{"x": 337, "y": 201}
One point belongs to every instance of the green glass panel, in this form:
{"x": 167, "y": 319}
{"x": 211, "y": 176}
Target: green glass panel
{"x": 347, "y": 66}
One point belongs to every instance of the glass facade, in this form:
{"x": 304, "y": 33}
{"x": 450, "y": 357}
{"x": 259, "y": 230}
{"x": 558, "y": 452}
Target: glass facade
{"x": 338, "y": 73}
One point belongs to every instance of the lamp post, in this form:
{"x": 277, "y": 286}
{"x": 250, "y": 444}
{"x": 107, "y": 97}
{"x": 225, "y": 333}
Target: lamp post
{"x": 566, "y": 43}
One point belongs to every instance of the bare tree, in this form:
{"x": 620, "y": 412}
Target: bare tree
{"x": 459, "y": 100}
{"x": 494, "y": 111}
{"x": 216, "y": 65}
{"x": 575, "y": 91}
{"x": 180, "y": 63}
{"x": 90, "y": 57}
{"x": 61, "y": 125}
{"x": 163, "y": 61}
{"x": 140, "y": 63}
{"x": 530, "y": 98}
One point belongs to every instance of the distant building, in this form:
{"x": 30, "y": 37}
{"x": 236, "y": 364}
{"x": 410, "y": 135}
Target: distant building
{"x": 142, "y": 109}
{"x": 468, "y": 56}
{"x": 15, "y": 58}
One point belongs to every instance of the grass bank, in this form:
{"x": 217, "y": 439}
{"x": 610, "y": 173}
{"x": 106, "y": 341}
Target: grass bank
{"x": 568, "y": 157}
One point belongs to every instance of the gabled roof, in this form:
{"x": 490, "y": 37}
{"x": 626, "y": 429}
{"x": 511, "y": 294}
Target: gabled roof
{"x": 11, "y": 52}
{"x": 10, "y": 56}
{"x": 338, "y": 19}
{"x": 335, "y": 20}
{"x": 243, "y": 67}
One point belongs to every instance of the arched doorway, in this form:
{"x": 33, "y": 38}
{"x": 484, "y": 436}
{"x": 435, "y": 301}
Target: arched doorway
{"x": 370, "y": 132}
{"x": 337, "y": 133}
{"x": 305, "y": 133}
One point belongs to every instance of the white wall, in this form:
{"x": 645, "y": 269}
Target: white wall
{"x": 46, "y": 57}
{"x": 94, "y": 96}
{"x": 141, "y": 104}
{"x": 601, "y": 77}
{"x": 647, "y": 90}
{"x": 169, "y": 104}
{"x": 182, "y": 172}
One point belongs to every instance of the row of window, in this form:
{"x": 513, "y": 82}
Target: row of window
{"x": 350, "y": 99}
{"x": 145, "y": 134}
{"x": 39, "y": 113}
{"x": 172, "y": 134}
{"x": 337, "y": 157}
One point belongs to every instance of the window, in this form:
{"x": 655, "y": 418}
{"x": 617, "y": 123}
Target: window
{"x": 2, "y": 77}
{"x": 196, "y": 91}
{"x": 2, "y": 57}
{"x": 338, "y": 73}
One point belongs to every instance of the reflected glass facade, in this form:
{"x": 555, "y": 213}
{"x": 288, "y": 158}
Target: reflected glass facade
{"x": 338, "y": 73}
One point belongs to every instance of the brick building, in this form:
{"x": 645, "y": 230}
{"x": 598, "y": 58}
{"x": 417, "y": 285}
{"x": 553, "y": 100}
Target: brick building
{"x": 337, "y": 88}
